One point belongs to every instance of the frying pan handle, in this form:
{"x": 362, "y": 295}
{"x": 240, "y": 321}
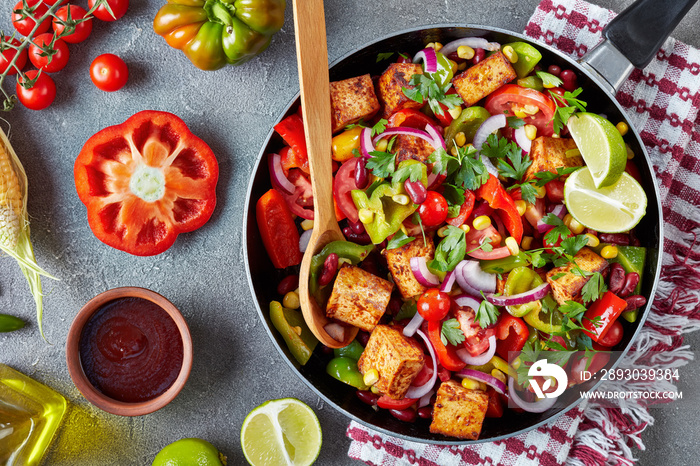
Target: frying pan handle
{"x": 633, "y": 38}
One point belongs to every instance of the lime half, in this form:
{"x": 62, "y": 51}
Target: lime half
{"x": 601, "y": 146}
{"x": 612, "y": 209}
{"x": 283, "y": 432}
{"x": 189, "y": 451}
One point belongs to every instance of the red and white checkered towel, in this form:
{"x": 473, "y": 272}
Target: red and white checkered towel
{"x": 662, "y": 102}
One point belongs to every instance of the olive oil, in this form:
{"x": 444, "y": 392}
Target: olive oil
{"x": 30, "y": 414}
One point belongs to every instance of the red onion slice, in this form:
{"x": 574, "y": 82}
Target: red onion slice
{"x": 304, "y": 240}
{"x": 415, "y": 323}
{"x": 491, "y": 125}
{"x": 488, "y": 379}
{"x": 522, "y": 140}
{"x": 335, "y": 331}
{"x": 277, "y": 174}
{"x": 520, "y": 298}
{"x": 425, "y": 399}
{"x": 559, "y": 210}
{"x": 366, "y": 145}
{"x": 448, "y": 282}
{"x": 543, "y": 227}
{"x": 531, "y": 407}
{"x": 466, "y": 300}
{"x": 429, "y": 58}
{"x": 477, "y": 279}
{"x": 408, "y": 132}
{"x": 473, "y": 42}
{"x": 481, "y": 359}
{"x": 439, "y": 141}
{"x": 425, "y": 277}
{"x": 420, "y": 392}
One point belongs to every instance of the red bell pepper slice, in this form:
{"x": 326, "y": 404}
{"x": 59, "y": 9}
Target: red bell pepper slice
{"x": 446, "y": 354}
{"x": 511, "y": 335}
{"x": 607, "y": 308}
{"x": 495, "y": 406}
{"x": 495, "y": 194}
{"x": 292, "y": 131}
{"x": 411, "y": 118}
{"x": 464, "y": 211}
{"x": 278, "y": 230}
{"x": 386, "y": 402}
{"x": 145, "y": 181}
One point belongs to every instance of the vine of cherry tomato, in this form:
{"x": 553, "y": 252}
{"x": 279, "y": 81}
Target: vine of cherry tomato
{"x": 118, "y": 7}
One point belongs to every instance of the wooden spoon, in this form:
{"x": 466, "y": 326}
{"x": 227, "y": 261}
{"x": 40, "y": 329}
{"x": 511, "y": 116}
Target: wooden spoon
{"x": 312, "y": 59}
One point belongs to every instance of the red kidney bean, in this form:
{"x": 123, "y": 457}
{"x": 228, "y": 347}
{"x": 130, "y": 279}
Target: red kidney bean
{"x": 479, "y": 54}
{"x": 367, "y": 397}
{"x": 635, "y": 302}
{"x": 403, "y": 58}
{"x": 554, "y": 69}
{"x": 394, "y": 305}
{"x": 406, "y": 415}
{"x": 361, "y": 173}
{"x": 362, "y": 337}
{"x": 358, "y": 227}
{"x": 416, "y": 191}
{"x": 426, "y": 412}
{"x": 330, "y": 267}
{"x": 569, "y": 80}
{"x": 620, "y": 239}
{"x": 350, "y": 235}
{"x": 634, "y": 241}
{"x": 287, "y": 284}
{"x": 617, "y": 278}
{"x": 326, "y": 349}
{"x": 630, "y": 284}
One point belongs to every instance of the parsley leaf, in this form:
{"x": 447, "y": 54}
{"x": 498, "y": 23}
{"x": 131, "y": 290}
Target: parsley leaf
{"x": 528, "y": 193}
{"x": 451, "y": 332}
{"x": 413, "y": 171}
{"x": 573, "y": 310}
{"x": 559, "y": 231}
{"x": 487, "y": 314}
{"x": 398, "y": 240}
{"x": 454, "y": 195}
{"x": 379, "y": 127}
{"x": 594, "y": 288}
{"x": 485, "y": 246}
{"x": 548, "y": 79}
{"x": 557, "y": 276}
{"x": 472, "y": 172}
{"x": 384, "y": 56}
{"x": 426, "y": 88}
{"x": 450, "y": 251}
{"x": 505, "y": 151}
{"x": 453, "y": 210}
{"x": 573, "y": 244}
{"x": 515, "y": 122}
{"x": 382, "y": 164}
{"x": 570, "y": 103}
{"x": 407, "y": 311}
{"x": 546, "y": 176}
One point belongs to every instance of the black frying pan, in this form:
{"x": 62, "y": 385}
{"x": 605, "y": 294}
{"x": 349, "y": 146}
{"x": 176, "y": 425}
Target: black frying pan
{"x": 633, "y": 38}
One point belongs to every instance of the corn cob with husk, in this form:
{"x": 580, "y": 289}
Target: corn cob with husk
{"x": 14, "y": 222}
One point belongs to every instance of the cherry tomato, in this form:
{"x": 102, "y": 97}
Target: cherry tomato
{"x": 39, "y": 96}
{"x": 433, "y": 211}
{"x": 56, "y": 62}
{"x": 82, "y": 30}
{"x": 343, "y": 184}
{"x": 386, "y": 402}
{"x": 118, "y": 7}
{"x": 53, "y": 2}
{"x": 503, "y": 99}
{"x": 7, "y": 55}
{"x": 434, "y": 304}
{"x": 614, "y": 335}
{"x": 26, "y": 25}
{"x": 109, "y": 72}
{"x": 555, "y": 191}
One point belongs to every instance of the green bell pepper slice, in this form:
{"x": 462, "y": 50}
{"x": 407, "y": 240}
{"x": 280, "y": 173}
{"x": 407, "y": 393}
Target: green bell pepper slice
{"x": 355, "y": 253}
{"x": 528, "y": 57}
{"x": 444, "y": 73}
{"x": 520, "y": 280}
{"x": 296, "y": 334}
{"x": 345, "y": 369}
{"x": 631, "y": 258}
{"x": 546, "y": 322}
{"x": 467, "y": 122}
{"x": 353, "y": 351}
{"x": 505, "y": 264}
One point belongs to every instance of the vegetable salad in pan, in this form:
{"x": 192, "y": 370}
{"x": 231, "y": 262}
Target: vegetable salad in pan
{"x": 489, "y": 220}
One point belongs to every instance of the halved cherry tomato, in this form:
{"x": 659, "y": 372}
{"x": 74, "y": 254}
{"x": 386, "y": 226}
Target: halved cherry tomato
{"x": 9, "y": 53}
{"x": 495, "y": 406}
{"x": 343, "y": 184}
{"x": 464, "y": 211}
{"x": 614, "y": 335}
{"x": 433, "y": 211}
{"x": 410, "y": 117}
{"x": 555, "y": 191}
{"x": 433, "y": 304}
{"x": 386, "y": 402}
{"x": 476, "y": 339}
{"x": 301, "y": 201}
{"x": 502, "y": 101}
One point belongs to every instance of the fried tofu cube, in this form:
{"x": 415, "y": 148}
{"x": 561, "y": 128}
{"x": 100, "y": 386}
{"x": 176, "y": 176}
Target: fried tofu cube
{"x": 412, "y": 148}
{"x": 548, "y": 154}
{"x": 482, "y": 79}
{"x": 458, "y": 411}
{"x": 391, "y": 84}
{"x": 359, "y": 298}
{"x": 351, "y": 100}
{"x": 397, "y": 359}
{"x": 568, "y": 286}
{"x": 399, "y": 262}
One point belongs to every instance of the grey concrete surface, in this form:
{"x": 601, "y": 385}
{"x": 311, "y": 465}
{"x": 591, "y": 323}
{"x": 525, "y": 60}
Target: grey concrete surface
{"x": 235, "y": 367}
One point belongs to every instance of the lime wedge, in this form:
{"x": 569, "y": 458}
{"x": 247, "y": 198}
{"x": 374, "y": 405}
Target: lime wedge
{"x": 601, "y": 146}
{"x": 612, "y": 209}
{"x": 283, "y": 432}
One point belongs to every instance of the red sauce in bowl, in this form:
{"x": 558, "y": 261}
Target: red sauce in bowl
{"x": 131, "y": 350}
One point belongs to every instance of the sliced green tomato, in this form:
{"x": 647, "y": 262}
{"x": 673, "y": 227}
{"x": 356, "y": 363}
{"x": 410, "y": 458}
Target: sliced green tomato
{"x": 544, "y": 322}
{"x": 528, "y": 57}
{"x": 467, "y": 122}
{"x": 520, "y": 280}
{"x": 631, "y": 258}
{"x": 291, "y": 325}
{"x": 505, "y": 264}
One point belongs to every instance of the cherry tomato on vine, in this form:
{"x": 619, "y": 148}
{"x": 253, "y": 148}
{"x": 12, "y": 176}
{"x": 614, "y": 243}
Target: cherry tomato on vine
{"x": 40, "y": 95}
{"x": 109, "y": 72}
{"x": 25, "y": 25}
{"x": 118, "y": 7}
{"x": 433, "y": 304}
{"x": 57, "y": 61}
{"x": 7, "y": 55}
{"x": 82, "y": 30}
{"x": 433, "y": 211}
{"x": 53, "y": 2}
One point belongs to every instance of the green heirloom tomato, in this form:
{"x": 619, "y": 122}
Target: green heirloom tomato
{"x": 213, "y": 33}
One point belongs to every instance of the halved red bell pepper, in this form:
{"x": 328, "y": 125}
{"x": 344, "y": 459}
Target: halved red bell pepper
{"x": 292, "y": 131}
{"x": 446, "y": 354}
{"x": 278, "y": 230}
{"x": 464, "y": 211}
{"x": 511, "y": 334}
{"x": 495, "y": 194}
{"x": 145, "y": 181}
{"x": 607, "y": 308}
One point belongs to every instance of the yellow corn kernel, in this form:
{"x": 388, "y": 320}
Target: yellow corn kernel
{"x": 573, "y": 225}
{"x": 630, "y": 152}
{"x": 442, "y": 232}
{"x": 521, "y": 206}
{"x": 371, "y": 377}
{"x": 556, "y": 135}
{"x": 455, "y": 111}
{"x": 462, "y": 66}
{"x": 453, "y": 151}
{"x": 465, "y": 228}
{"x": 482, "y": 222}
{"x": 593, "y": 240}
{"x": 307, "y": 225}
{"x": 453, "y": 66}
{"x": 345, "y": 143}
{"x": 435, "y": 45}
{"x": 609, "y": 252}
{"x": 366, "y": 215}
{"x": 510, "y": 54}
{"x": 519, "y": 112}
{"x": 471, "y": 384}
{"x": 460, "y": 139}
{"x": 530, "y": 132}
{"x": 526, "y": 243}
{"x": 540, "y": 192}
{"x": 375, "y": 390}
{"x": 622, "y": 127}
{"x": 499, "y": 375}
{"x": 291, "y": 300}
{"x": 465, "y": 52}
{"x": 400, "y": 199}
{"x": 404, "y": 230}
{"x": 531, "y": 109}
{"x": 512, "y": 245}
{"x": 382, "y": 145}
